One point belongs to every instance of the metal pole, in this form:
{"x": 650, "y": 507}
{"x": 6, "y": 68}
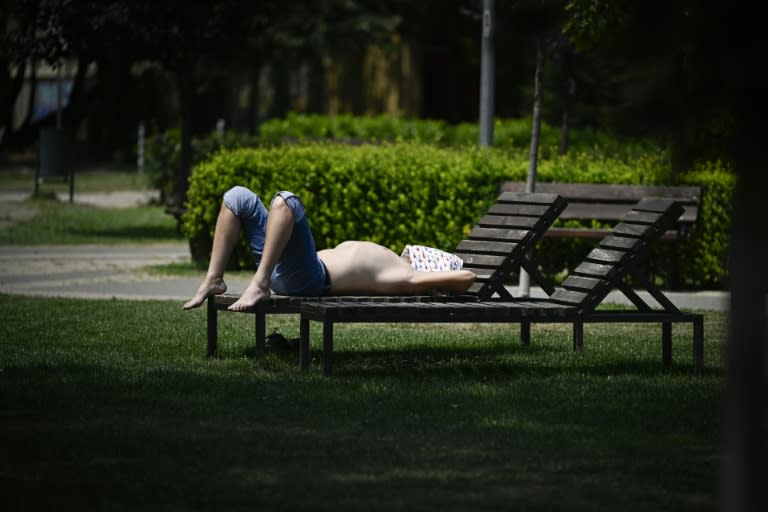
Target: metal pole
{"x": 487, "y": 72}
{"x": 524, "y": 288}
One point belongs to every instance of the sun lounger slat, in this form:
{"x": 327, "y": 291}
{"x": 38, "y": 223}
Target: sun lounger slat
{"x": 508, "y": 221}
{"x": 634, "y": 230}
{"x": 594, "y": 270}
{"x": 486, "y": 247}
{"x": 529, "y": 197}
{"x": 581, "y": 283}
{"x": 636, "y": 217}
{"x": 528, "y": 210}
{"x": 571, "y": 297}
{"x": 606, "y": 255}
{"x": 618, "y": 242}
{"x": 480, "y": 260}
{"x": 498, "y": 234}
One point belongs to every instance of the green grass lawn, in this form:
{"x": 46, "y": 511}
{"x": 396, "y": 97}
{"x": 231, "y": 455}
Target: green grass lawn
{"x": 112, "y": 405}
{"x": 49, "y": 221}
{"x": 85, "y": 181}
{"x": 57, "y": 222}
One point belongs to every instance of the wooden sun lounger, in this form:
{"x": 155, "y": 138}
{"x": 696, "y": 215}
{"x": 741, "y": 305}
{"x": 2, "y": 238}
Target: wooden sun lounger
{"x": 495, "y": 248}
{"x": 575, "y": 302}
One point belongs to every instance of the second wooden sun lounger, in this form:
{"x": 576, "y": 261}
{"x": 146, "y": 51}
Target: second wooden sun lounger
{"x": 605, "y": 268}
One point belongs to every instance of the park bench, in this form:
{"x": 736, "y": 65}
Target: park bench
{"x": 609, "y": 203}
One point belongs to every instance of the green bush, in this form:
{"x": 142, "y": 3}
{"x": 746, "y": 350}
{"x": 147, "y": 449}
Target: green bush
{"x": 347, "y": 127}
{"x": 705, "y": 256}
{"x": 391, "y": 194}
{"x": 406, "y": 192}
{"x": 594, "y": 157}
{"x": 509, "y": 134}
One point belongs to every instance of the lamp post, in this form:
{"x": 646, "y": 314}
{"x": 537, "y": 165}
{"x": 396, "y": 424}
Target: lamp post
{"x": 487, "y": 73}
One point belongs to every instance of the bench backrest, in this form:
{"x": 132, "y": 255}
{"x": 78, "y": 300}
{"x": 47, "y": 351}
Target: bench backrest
{"x": 508, "y": 231}
{"x": 606, "y": 266}
{"x": 609, "y": 203}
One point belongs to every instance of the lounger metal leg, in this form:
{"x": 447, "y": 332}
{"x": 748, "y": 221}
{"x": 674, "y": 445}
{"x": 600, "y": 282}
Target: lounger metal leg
{"x": 327, "y": 348}
{"x": 698, "y": 345}
{"x": 525, "y": 333}
{"x": 212, "y": 328}
{"x": 666, "y": 343}
{"x": 303, "y": 344}
{"x": 578, "y": 336}
{"x": 261, "y": 333}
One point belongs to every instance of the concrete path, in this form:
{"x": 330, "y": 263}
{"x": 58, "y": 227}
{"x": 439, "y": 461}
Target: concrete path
{"x": 92, "y": 271}
{"x": 95, "y": 271}
{"x": 122, "y": 271}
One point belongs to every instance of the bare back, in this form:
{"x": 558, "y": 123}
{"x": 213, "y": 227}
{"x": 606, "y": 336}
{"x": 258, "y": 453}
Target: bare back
{"x": 366, "y": 268}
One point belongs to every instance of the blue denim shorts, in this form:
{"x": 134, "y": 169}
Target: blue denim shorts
{"x": 299, "y": 272}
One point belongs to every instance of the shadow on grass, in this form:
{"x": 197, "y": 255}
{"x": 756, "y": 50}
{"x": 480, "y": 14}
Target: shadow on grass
{"x": 492, "y": 363}
{"x": 497, "y": 364}
{"x": 170, "y": 439}
{"x": 111, "y": 405}
{"x": 131, "y": 233}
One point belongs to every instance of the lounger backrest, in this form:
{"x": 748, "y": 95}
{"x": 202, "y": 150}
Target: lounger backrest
{"x": 607, "y": 265}
{"x": 510, "y": 228}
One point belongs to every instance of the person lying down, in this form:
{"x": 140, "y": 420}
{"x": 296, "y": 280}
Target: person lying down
{"x": 289, "y": 264}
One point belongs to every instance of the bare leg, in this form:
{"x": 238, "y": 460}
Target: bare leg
{"x": 454, "y": 281}
{"x": 224, "y": 239}
{"x": 279, "y": 229}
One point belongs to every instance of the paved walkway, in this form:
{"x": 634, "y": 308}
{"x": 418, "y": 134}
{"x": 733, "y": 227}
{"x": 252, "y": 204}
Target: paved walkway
{"x": 123, "y": 271}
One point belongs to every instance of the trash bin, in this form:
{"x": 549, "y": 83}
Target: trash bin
{"x": 54, "y": 159}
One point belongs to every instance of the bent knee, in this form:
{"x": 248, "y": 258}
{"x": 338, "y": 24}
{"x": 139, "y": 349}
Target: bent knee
{"x": 288, "y": 201}
{"x": 241, "y": 200}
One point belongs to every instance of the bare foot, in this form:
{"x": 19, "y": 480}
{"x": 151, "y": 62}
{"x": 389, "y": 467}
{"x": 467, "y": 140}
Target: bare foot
{"x": 209, "y": 286}
{"x": 255, "y": 292}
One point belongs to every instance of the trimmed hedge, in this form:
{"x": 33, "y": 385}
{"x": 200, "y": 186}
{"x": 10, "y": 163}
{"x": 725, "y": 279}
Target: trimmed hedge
{"x": 705, "y": 259}
{"x": 509, "y": 134}
{"x": 389, "y": 194}
{"x": 408, "y": 192}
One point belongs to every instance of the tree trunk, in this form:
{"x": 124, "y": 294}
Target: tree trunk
{"x": 318, "y": 94}
{"x": 533, "y": 156}
{"x": 17, "y": 81}
{"x": 181, "y": 180}
{"x": 744, "y": 466}
{"x": 76, "y": 110}
{"x": 32, "y": 91}
{"x": 281, "y": 78}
